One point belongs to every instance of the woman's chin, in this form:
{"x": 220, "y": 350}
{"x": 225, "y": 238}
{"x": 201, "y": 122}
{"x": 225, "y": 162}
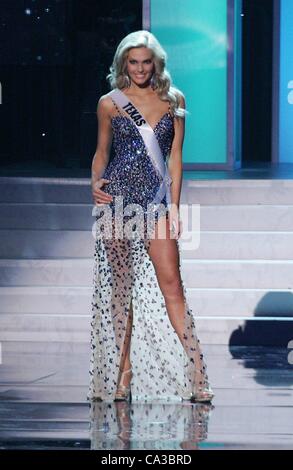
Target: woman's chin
{"x": 141, "y": 81}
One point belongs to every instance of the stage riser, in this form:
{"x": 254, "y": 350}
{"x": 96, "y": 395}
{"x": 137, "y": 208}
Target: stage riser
{"x": 221, "y": 331}
{"x": 240, "y": 272}
{"x": 204, "y": 301}
{"x": 207, "y": 192}
{"x": 229, "y": 274}
{"x": 31, "y": 244}
{"x": 218, "y": 218}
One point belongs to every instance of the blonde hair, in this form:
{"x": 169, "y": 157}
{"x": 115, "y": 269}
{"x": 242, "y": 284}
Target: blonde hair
{"x": 162, "y": 79}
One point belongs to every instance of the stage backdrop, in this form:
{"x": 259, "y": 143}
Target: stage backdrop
{"x": 286, "y": 82}
{"x": 195, "y": 36}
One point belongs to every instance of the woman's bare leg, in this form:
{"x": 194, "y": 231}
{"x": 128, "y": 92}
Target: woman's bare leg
{"x": 125, "y": 363}
{"x": 165, "y": 258}
{"x": 163, "y": 251}
{"x": 125, "y": 355}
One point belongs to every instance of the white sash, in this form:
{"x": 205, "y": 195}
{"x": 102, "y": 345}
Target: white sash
{"x": 151, "y": 144}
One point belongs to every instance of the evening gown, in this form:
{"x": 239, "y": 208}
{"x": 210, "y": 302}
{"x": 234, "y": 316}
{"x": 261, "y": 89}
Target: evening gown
{"x": 164, "y": 367}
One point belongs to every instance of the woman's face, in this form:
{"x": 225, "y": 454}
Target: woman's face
{"x": 140, "y": 65}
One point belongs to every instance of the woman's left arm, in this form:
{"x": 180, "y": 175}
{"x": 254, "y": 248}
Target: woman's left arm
{"x": 175, "y": 168}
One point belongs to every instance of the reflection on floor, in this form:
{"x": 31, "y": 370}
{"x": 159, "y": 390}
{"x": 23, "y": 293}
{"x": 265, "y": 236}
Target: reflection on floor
{"x": 43, "y": 404}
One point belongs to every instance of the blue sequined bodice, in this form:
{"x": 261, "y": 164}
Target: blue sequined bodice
{"x": 131, "y": 171}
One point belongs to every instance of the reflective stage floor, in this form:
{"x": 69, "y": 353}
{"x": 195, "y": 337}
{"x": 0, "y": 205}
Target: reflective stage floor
{"x": 43, "y": 404}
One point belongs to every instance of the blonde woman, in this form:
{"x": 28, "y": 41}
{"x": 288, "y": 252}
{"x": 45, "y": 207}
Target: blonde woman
{"x": 144, "y": 344}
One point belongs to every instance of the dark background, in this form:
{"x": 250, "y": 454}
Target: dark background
{"x": 54, "y": 58}
{"x": 53, "y": 67}
{"x": 257, "y": 70}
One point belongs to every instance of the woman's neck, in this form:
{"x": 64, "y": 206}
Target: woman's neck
{"x": 140, "y": 91}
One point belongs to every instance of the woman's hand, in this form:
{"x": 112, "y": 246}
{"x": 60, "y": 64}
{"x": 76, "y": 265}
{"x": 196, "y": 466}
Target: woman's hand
{"x": 176, "y": 226}
{"x": 99, "y": 196}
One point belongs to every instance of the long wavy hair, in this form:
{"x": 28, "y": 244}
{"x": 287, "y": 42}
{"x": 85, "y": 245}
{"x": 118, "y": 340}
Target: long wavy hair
{"x": 161, "y": 80}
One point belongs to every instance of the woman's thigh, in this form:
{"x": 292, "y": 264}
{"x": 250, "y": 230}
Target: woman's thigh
{"x": 164, "y": 254}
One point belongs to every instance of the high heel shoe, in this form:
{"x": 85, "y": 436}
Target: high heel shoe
{"x": 203, "y": 395}
{"x": 203, "y": 391}
{"x": 123, "y": 391}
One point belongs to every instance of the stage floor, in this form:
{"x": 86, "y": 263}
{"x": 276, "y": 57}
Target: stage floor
{"x": 43, "y": 404}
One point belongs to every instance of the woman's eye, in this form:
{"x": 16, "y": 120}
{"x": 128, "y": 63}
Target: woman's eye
{"x": 134, "y": 61}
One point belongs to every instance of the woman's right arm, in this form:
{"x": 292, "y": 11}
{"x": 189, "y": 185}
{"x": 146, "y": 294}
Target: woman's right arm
{"x": 102, "y": 153}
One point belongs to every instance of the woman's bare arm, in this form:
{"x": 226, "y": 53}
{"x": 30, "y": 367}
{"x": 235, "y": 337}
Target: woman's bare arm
{"x": 102, "y": 153}
{"x": 175, "y": 160}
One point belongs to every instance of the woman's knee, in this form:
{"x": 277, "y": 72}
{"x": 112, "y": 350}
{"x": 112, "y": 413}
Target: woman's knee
{"x": 172, "y": 288}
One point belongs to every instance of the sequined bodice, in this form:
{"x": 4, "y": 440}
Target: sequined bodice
{"x": 126, "y": 136}
{"x": 131, "y": 171}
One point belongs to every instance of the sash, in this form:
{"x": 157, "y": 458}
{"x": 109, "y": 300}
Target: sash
{"x": 151, "y": 143}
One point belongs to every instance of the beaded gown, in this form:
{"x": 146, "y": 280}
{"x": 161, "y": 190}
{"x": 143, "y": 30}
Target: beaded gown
{"x": 164, "y": 367}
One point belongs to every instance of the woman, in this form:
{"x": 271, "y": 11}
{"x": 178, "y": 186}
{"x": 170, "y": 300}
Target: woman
{"x": 143, "y": 336}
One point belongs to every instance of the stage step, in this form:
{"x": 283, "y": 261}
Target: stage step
{"x": 198, "y": 273}
{"x": 49, "y": 244}
{"x": 216, "y": 218}
{"x": 206, "y": 192}
{"x": 239, "y": 279}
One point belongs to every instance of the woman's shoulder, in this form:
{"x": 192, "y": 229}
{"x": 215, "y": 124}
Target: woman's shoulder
{"x": 105, "y": 102}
